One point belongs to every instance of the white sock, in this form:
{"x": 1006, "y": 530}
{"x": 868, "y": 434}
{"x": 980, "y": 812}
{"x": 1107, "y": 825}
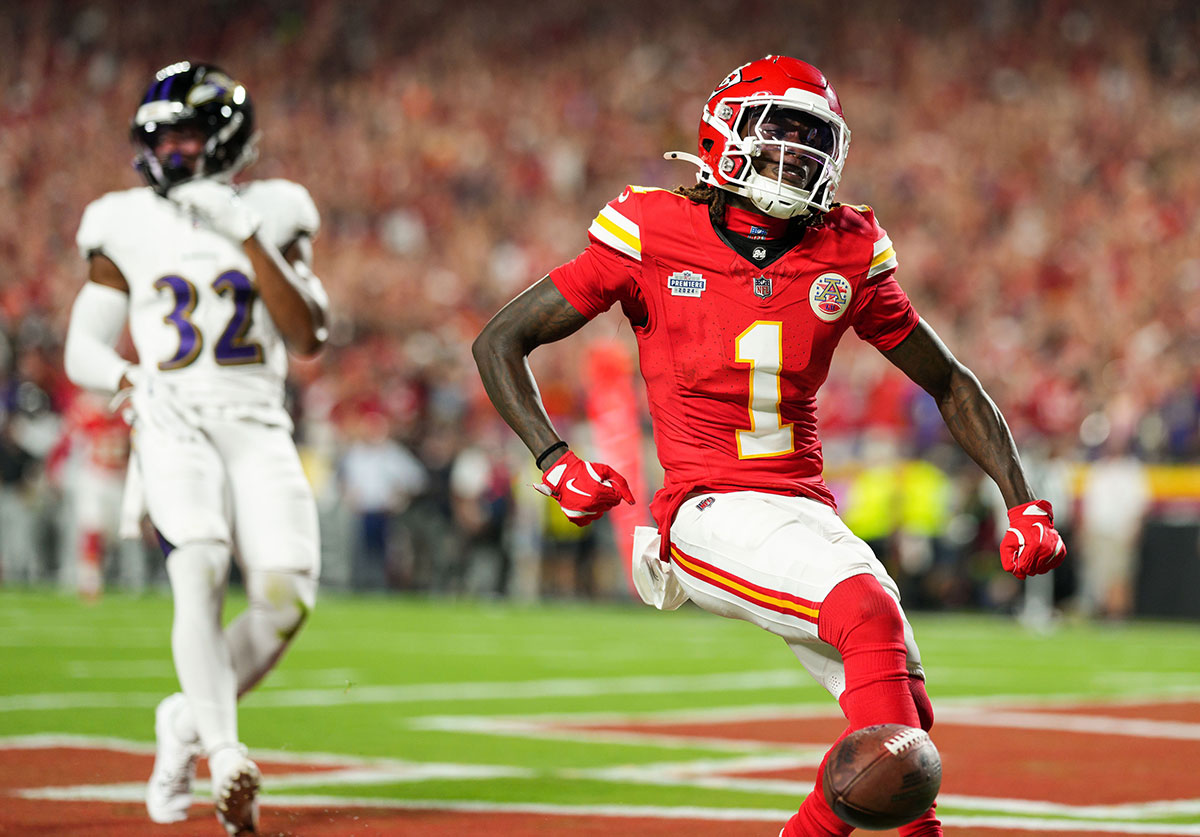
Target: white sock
{"x": 257, "y": 638}
{"x": 279, "y": 604}
{"x": 198, "y": 644}
{"x": 184, "y": 722}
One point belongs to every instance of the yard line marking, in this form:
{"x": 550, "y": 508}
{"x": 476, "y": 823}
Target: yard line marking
{"x": 407, "y": 773}
{"x": 436, "y": 692}
{"x": 519, "y": 690}
{"x": 55, "y": 701}
{"x": 802, "y": 711}
{"x": 333, "y": 761}
{"x": 1096, "y": 724}
{"x": 1128, "y": 810}
{"x": 1024, "y": 824}
{"x": 143, "y": 669}
{"x": 517, "y": 728}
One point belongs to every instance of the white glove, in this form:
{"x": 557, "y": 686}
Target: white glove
{"x": 217, "y": 205}
{"x": 151, "y": 406}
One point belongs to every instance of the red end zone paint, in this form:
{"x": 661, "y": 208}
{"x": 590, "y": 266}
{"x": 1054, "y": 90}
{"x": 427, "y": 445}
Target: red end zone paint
{"x": 1052, "y": 765}
{"x": 1064, "y": 766}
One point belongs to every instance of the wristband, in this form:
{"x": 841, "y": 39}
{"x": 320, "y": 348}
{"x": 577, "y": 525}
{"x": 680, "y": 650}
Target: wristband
{"x": 547, "y": 452}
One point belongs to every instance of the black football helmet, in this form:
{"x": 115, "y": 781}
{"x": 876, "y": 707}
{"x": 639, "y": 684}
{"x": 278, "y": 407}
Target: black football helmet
{"x": 206, "y": 97}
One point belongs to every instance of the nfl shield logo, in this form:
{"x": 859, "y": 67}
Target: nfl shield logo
{"x": 762, "y": 287}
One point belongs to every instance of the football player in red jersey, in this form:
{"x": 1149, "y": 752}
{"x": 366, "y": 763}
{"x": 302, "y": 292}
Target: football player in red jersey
{"x": 738, "y": 290}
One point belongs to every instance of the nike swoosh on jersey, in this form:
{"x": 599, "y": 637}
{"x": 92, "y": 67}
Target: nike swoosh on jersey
{"x": 1035, "y": 511}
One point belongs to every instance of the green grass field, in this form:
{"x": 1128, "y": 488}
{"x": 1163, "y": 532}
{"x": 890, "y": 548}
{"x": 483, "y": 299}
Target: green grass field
{"x": 564, "y": 705}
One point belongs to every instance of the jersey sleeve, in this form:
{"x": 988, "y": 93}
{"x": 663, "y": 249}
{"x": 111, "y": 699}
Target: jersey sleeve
{"x": 883, "y": 315}
{"x": 94, "y": 227}
{"x": 287, "y": 210}
{"x": 606, "y": 272}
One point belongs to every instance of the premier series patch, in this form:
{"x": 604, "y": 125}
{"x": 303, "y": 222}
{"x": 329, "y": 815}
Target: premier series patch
{"x": 685, "y": 283}
{"x": 829, "y": 296}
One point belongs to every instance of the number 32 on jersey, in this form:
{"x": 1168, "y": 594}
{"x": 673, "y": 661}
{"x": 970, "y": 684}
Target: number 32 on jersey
{"x": 232, "y": 348}
{"x": 761, "y": 346}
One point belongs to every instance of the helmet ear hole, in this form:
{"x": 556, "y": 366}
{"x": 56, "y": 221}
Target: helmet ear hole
{"x": 706, "y": 144}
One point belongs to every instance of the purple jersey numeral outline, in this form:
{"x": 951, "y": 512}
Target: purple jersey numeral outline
{"x": 232, "y": 348}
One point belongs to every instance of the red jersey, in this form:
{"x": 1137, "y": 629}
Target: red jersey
{"x": 733, "y": 353}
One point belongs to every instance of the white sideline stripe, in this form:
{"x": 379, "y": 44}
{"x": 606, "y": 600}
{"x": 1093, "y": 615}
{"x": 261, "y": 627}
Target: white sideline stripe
{"x": 309, "y": 759}
{"x": 826, "y": 709}
{"x": 408, "y": 773}
{"x": 518, "y": 729}
{"x": 434, "y": 692}
{"x": 564, "y": 687}
{"x": 1130, "y": 810}
{"x": 157, "y": 668}
{"x": 1097, "y": 724}
{"x": 124, "y": 791}
{"x": 1027, "y": 824}
{"x": 144, "y": 669}
{"x": 565, "y": 726}
{"x": 131, "y": 793}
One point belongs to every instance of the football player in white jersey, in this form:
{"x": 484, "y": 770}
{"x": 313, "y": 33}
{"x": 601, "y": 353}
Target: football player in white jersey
{"x": 214, "y": 281}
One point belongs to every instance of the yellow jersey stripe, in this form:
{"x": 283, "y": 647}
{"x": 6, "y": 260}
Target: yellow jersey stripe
{"x": 608, "y": 231}
{"x": 889, "y": 253}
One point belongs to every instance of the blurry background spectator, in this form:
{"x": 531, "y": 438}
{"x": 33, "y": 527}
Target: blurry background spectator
{"x": 1033, "y": 161}
{"x": 1112, "y": 510}
{"x": 379, "y": 478}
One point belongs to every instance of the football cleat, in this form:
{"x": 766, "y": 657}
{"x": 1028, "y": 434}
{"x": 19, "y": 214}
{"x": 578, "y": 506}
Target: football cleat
{"x": 235, "y": 783}
{"x": 169, "y": 791}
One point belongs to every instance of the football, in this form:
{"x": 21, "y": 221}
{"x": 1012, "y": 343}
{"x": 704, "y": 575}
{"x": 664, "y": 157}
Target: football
{"x": 883, "y": 776}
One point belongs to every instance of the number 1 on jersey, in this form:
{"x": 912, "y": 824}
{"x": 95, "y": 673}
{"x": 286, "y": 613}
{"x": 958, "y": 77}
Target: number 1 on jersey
{"x": 761, "y": 346}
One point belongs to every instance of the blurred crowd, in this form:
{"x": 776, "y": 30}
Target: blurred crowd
{"x": 1032, "y": 161}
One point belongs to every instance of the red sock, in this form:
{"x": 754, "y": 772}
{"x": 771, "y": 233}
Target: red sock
{"x": 927, "y": 825}
{"x": 863, "y": 623}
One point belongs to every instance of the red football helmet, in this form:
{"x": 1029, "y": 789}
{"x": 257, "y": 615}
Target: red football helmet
{"x": 773, "y": 131}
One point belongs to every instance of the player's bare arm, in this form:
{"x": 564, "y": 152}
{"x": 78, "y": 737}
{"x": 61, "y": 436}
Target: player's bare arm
{"x": 539, "y": 315}
{"x": 972, "y": 417}
{"x": 103, "y": 271}
{"x": 296, "y": 312}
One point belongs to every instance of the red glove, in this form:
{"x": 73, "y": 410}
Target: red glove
{"x": 585, "y": 490}
{"x": 1031, "y": 546}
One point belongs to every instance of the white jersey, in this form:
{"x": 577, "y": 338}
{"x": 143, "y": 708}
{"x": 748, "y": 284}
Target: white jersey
{"x": 194, "y": 313}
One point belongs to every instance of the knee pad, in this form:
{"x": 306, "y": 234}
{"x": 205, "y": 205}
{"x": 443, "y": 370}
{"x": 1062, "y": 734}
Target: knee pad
{"x": 282, "y": 598}
{"x": 198, "y": 566}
